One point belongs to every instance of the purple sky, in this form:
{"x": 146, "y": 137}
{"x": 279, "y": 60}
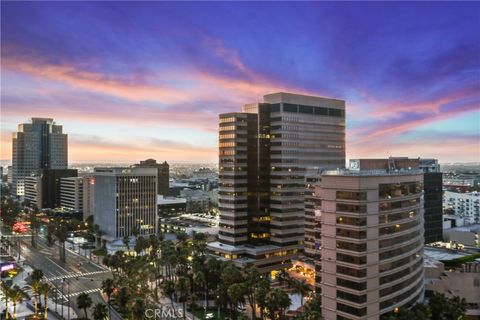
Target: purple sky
{"x": 131, "y": 80}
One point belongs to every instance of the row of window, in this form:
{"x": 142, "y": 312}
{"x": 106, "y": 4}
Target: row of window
{"x": 357, "y": 273}
{"x": 321, "y": 111}
{"x": 385, "y": 206}
{"x": 387, "y": 218}
{"x": 399, "y": 227}
{"x": 394, "y": 190}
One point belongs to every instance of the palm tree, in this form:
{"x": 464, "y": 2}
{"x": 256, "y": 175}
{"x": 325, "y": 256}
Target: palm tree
{"x": 126, "y": 242}
{"x": 35, "y": 286}
{"x": 45, "y": 289}
{"x": 6, "y": 289}
{"x": 61, "y": 234}
{"x": 108, "y": 286}
{"x": 34, "y": 225}
{"x": 252, "y": 280}
{"x": 260, "y": 294}
{"x": 17, "y": 295}
{"x": 99, "y": 312}
{"x": 84, "y": 302}
{"x": 182, "y": 289}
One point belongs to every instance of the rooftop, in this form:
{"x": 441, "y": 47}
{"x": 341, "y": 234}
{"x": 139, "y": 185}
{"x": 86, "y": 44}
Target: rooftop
{"x": 374, "y": 172}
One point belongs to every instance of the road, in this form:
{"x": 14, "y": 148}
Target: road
{"x": 76, "y": 276}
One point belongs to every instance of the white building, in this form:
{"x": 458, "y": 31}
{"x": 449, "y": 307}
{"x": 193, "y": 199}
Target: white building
{"x": 465, "y": 205}
{"x": 71, "y": 193}
{"x": 125, "y": 199}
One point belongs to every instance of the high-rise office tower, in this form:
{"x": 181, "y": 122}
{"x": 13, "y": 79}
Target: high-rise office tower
{"x": 371, "y": 241}
{"x": 264, "y": 154}
{"x": 125, "y": 199}
{"x": 163, "y": 174}
{"x": 38, "y": 145}
{"x": 433, "y": 194}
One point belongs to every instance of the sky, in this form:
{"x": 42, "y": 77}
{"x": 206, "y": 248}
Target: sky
{"x": 137, "y": 80}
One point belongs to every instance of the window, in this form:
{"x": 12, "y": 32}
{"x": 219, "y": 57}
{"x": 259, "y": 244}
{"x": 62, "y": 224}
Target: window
{"x": 275, "y": 107}
{"x": 347, "y": 195}
{"x": 335, "y": 112}
{"x": 305, "y": 109}
{"x": 321, "y": 111}
{"x": 351, "y": 208}
{"x": 288, "y": 107}
{"x": 352, "y": 221}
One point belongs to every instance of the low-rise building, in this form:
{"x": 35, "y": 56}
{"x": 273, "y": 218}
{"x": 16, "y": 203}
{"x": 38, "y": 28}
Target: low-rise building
{"x": 467, "y": 236}
{"x": 465, "y": 205}
{"x": 462, "y": 282}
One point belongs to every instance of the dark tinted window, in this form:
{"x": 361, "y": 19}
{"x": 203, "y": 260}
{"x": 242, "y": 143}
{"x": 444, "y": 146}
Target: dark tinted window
{"x": 305, "y": 109}
{"x": 275, "y": 107}
{"x": 288, "y": 107}
{"x": 335, "y": 112}
{"x": 321, "y": 111}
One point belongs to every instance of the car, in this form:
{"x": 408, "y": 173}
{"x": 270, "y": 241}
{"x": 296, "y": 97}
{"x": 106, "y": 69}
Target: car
{"x": 209, "y": 316}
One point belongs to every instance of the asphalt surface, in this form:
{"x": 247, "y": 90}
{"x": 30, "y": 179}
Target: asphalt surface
{"x": 76, "y": 276}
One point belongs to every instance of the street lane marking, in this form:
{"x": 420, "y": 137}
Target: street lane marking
{"x": 85, "y": 291}
{"x": 77, "y": 275}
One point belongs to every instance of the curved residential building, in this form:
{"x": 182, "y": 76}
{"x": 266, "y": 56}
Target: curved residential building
{"x": 371, "y": 242}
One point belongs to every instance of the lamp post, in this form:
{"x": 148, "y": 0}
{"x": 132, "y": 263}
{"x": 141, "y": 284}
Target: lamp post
{"x": 68, "y": 297}
{"x": 218, "y": 307}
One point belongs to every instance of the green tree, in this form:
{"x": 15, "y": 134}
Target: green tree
{"x": 277, "y": 301}
{"x": 260, "y": 294}
{"x": 99, "y": 312}
{"x": 6, "y": 289}
{"x": 182, "y": 290}
{"x": 108, "y": 286}
{"x": 138, "y": 309}
{"x": 252, "y": 281}
{"x": 84, "y": 301}
{"x": 17, "y": 295}
{"x": 302, "y": 288}
{"x": 236, "y": 293}
{"x": 61, "y": 234}
{"x": 45, "y": 289}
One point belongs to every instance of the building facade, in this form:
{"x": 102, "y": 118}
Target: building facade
{"x": 125, "y": 199}
{"x": 163, "y": 174}
{"x": 71, "y": 193}
{"x": 371, "y": 242}
{"x": 464, "y": 205}
{"x": 38, "y": 145}
{"x": 44, "y": 190}
{"x": 264, "y": 153}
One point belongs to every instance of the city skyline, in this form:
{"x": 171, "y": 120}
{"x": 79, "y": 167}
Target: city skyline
{"x": 131, "y": 82}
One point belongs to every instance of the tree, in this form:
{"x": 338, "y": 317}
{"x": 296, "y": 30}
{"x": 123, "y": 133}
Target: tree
{"x": 260, "y": 294}
{"x": 17, "y": 295}
{"x": 302, "y": 288}
{"x": 182, "y": 289}
{"x": 126, "y": 242}
{"x": 252, "y": 280}
{"x": 444, "y": 308}
{"x": 236, "y": 292}
{"x": 108, "y": 286}
{"x": 138, "y": 309}
{"x": 35, "y": 286}
{"x": 84, "y": 301}
{"x": 312, "y": 309}
{"x": 45, "y": 289}
{"x": 61, "y": 234}
{"x": 277, "y": 301}
{"x": 34, "y": 225}
{"x": 6, "y": 291}
{"x": 99, "y": 312}
{"x": 36, "y": 275}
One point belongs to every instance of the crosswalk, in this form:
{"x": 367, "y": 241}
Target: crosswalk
{"x": 74, "y": 294}
{"x": 76, "y": 275}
